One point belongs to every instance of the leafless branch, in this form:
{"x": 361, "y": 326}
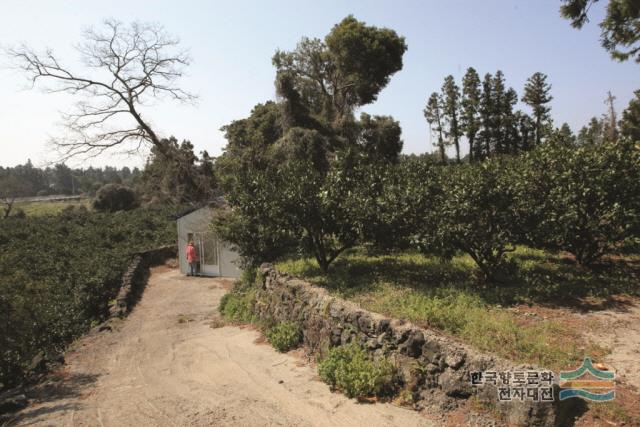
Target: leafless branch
{"x": 129, "y": 65}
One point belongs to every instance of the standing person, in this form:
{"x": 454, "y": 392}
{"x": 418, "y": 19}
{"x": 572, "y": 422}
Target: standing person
{"x": 192, "y": 259}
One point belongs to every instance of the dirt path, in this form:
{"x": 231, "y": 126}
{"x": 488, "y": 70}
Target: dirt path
{"x": 618, "y": 329}
{"x": 165, "y": 365}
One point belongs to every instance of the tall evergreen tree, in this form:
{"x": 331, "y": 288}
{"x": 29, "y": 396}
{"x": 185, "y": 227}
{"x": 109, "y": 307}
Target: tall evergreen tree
{"x": 508, "y": 124}
{"x": 526, "y": 127}
{"x": 591, "y": 134}
{"x": 486, "y": 117}
{"x": 630, "y": 123}
{"x": 610, "y": 119}
{"x": 563, "y": 136}
{"x": 451, "y": 112}
{"x": 537, "y": 94}
{"x": 469, "y": 119}
{"x": 498, "y": 94}
{"x": 178, "y": 178}
{"x": 433, "y": 114}
{"x": 619, "y": 28}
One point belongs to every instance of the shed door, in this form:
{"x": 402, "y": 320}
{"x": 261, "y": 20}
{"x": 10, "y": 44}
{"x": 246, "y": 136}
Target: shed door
{"x": 207, "y": 244}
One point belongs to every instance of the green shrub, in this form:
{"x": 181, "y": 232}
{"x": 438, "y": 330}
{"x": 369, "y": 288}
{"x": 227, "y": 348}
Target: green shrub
{"x": 403, "y": 203}
{"x": 237, "y": 305}
{"x": 583, "y": 200}
{"x": 350, "y": 369}
{"x": 115, "y": 197}
{"x": 59, "y": 273}
{"x": 284, "y": 336}
{"x": 474, "y": 217}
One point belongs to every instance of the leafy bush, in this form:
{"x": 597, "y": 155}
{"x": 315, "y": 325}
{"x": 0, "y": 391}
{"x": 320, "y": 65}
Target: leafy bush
{"x": 582, "y": 200}
{"x": 115, "y": 197}
{"x": 284, "y": 336}
{"x": 401, "y": 202}
{"x": 474, "y": 217}
{"x": 237, "y": 305}
{"x": 350, "y": 369}
{"x": 59, "y": 273}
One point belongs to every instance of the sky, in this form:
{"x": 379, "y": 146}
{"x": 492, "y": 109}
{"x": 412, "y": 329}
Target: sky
{"x": 232, "y": 42}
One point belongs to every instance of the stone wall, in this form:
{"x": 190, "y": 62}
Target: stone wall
{"x": 135, "y": 278}
{"x": 435, "y": 368}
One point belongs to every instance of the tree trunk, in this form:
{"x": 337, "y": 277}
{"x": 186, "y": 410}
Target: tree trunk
{"x": 324, "y": 265}
{"x": 441, "y": 148}
{"x": 7, "y": 209}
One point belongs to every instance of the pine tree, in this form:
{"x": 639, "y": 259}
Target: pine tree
{"x": 486, "y": 117}
{"x": 498, "y": 107}
{"x": 537, "y": 95}
{"x": 470, "y": 107}
{"x": 508, "y": 124}
{"x": 526, "y": 127}
{"x": 451, "y": 112}
{"x": 630, "y": 123}
{"x": 592, "y": 134}
{"x": 433, "y": 114}
{"x": 563, "y": 136}
{"x": 619, "y": 27}
{"x": 610, "y": 119}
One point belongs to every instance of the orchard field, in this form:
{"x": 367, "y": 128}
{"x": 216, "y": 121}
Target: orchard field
{"x": 59, "y": 273}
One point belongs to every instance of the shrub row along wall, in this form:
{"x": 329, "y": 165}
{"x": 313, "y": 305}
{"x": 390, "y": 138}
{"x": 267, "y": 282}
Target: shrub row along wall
{"x": 434, "y": 368}
{"x": 135, "y": 277}
{"x": 134, "y": 280}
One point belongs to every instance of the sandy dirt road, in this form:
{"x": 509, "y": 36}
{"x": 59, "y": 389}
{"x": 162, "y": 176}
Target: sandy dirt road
{"x": 618, "y": 329}
{"x": 166, "y": 366}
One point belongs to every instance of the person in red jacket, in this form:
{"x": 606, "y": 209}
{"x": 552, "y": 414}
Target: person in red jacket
{"x": 192, "y": 259}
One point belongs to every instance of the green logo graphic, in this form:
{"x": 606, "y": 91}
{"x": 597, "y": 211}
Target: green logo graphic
{"x": 573, "y": 384}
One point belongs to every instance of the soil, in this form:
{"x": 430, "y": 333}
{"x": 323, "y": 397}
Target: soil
{"x": 618, "y": 328}
{"x": 167, "y": 365}
{"x": 613, "y": 323}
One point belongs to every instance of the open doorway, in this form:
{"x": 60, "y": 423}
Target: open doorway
{"x": 207, "y": 249}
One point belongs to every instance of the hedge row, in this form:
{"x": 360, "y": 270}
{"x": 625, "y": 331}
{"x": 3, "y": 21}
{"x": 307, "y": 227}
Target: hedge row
{"x": 59, "y": 274}
{"x": 585, "y": 201}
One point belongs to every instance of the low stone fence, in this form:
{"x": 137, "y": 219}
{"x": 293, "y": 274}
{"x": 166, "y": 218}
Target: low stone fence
{"x": 436, "y": 369}
{"x": 135, "y": 278}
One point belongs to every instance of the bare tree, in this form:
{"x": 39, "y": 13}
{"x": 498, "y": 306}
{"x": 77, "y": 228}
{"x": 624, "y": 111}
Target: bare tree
{"x": 132, "y": 66}
{"x": 10, "y": 189}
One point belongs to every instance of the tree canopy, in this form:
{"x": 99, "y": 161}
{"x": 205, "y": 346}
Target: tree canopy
{"x": 620, "y": 28}
{"x": 329, "y": 79}
{"x": 294, "y": 170}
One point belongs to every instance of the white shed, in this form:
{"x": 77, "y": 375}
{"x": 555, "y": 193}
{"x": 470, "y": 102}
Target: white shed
{"x": 215, "y": 257}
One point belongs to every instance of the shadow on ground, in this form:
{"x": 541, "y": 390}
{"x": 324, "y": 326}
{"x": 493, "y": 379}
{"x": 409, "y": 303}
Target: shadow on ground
{"x": 53, "y": 393}
{"x": 540, "y": 278}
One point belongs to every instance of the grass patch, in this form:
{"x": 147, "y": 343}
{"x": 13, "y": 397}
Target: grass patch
{"x": 448, "y": 296}
{"x": 237, "y": 305}
{"x": 284, "y": 336}
{"x": 49, "y": 208}
{"x": 184, "y": 318}
{"x": 217, "y": 323}
{"x": 349, "y": 369}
